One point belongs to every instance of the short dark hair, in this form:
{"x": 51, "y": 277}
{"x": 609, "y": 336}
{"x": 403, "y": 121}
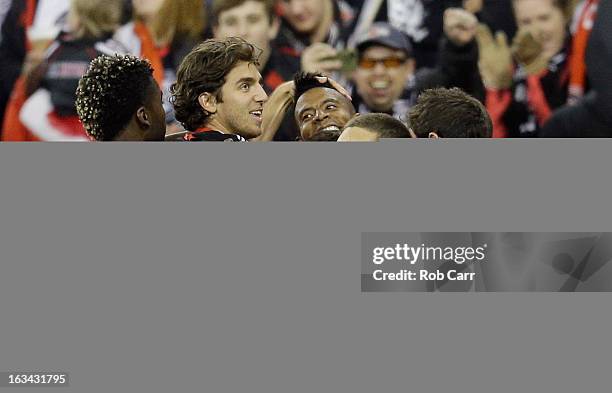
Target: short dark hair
{"x": 220, "y": 6}
{"x": 204, "y": 70}
{"x": 110, "y": 92}
{"x": 450, "y": 113}
{"x": 305, "y": 81}
{"x": 386, "y": 126}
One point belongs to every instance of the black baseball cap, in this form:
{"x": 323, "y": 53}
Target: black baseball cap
{"x": 384, "y": 34}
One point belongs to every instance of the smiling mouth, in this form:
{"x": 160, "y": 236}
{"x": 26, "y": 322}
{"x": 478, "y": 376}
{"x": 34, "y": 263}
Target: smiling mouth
{"x": 326, "y": 134}
{"x": 256, "y": 114}
{"x": 380, "y": 85}
{"x": 330, "y": 128}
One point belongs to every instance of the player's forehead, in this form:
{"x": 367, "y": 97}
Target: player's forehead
{"x": 318, "y": 96}
{"x": 243, "y": 70}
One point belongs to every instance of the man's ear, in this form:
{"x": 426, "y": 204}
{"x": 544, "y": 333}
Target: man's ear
{"x": 433, "y": 135}
{"x": 208, "y": 102}
{"x": 143, "y": 117}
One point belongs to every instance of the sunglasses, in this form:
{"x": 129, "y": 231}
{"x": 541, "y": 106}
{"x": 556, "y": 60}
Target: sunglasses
{"x": 388, "y": 62}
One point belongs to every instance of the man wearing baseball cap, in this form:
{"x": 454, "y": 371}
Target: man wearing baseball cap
{"x": 384, "y": 71}
{"x": 385, "y": 79}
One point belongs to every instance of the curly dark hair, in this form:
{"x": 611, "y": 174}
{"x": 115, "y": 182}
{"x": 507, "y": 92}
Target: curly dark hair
{"x": 110, "y": 92}
{"x": 204, "y": 70}
{"x": 305, "y": 81}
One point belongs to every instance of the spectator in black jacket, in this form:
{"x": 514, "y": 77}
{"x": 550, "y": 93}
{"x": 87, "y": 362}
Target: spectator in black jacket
{"x": 384, "y": 73}
{"x": 527, "y": 80}
{"x": 385, "y": 78}
{"x": 592, "y": 116}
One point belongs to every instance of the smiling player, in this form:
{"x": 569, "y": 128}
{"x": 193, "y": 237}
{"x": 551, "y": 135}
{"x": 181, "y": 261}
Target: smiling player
{"x": 218, "y": 95}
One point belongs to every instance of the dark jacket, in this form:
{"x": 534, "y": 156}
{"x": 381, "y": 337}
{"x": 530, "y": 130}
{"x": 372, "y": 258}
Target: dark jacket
{"x": 67, "y": 62}
{"x": 582, "y": 120}
{"x": 12, "y": 51}
{"x": 592, "y": 116}
{"x": 499, "y": 16}
{"x": 457, "y": 67}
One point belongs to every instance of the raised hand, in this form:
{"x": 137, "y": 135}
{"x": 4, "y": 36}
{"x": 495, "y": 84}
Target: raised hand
{"x": 527, "y": 51}
{"x": 320, "y": 57}
{"x": 473, "y": 6}
{"x": 495, "y": 58}
{"x": 459, "y": 26}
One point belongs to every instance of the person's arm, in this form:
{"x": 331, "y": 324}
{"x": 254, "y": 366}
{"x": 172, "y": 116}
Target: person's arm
{"x": 473, "y": 6}
{"x": 275, "y": 109}
{"x": 320, "y": 57}
{"x": 458, "y": 64}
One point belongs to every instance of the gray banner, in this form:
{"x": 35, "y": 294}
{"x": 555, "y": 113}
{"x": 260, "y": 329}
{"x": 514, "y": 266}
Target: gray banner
{"x": 502, "y": 261}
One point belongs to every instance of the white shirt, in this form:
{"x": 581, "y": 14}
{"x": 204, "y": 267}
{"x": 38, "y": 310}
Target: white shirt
{"x": 49, "y": 15}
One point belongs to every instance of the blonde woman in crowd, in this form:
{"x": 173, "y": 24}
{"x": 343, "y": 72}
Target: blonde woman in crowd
{"x": 163, "y": 32}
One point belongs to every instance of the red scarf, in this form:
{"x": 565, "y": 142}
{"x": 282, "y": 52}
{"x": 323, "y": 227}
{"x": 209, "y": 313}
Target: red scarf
{"x": 577, "y": 62}
{"x": 149, "y": 51}
{"x": 28, "y": 20}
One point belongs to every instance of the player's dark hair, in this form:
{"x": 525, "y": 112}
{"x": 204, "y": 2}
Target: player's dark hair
{"x": 450, "y": 113}
{"x": 110, "y": 92}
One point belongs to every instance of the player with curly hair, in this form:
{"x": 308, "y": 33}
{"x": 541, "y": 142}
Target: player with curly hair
{"x": 218, "y": 95}
{"x": 118, "y": 99}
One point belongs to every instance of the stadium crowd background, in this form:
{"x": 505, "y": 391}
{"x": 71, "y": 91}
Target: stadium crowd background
{"x": 538, "y": 66}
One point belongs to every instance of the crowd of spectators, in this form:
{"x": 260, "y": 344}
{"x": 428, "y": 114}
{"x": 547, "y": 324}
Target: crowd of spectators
{"x": 440, "y": 68}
